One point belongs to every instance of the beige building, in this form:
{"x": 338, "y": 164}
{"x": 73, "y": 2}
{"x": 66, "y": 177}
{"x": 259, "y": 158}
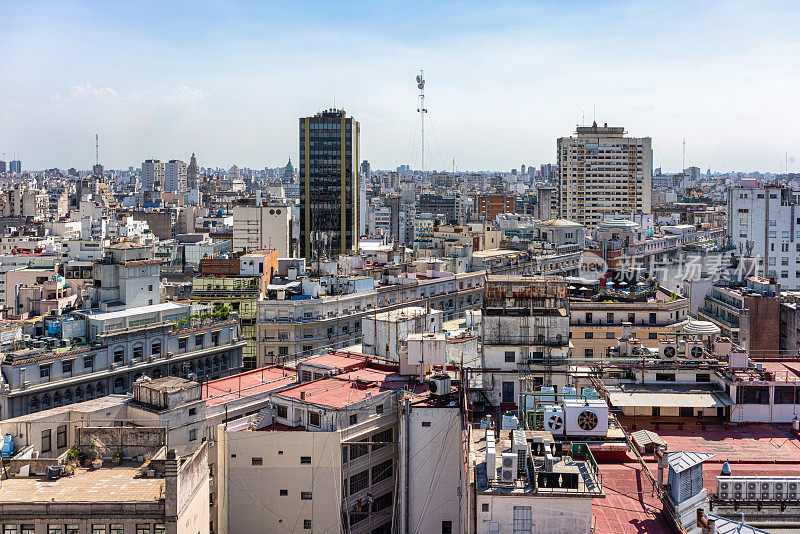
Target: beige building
{"x": 597, "y": 322}
{"x": 262, "y": 227}
{"x": 324, "y": 456}
{"x": 141, "y": 487}
{"x": 600, "y": 171}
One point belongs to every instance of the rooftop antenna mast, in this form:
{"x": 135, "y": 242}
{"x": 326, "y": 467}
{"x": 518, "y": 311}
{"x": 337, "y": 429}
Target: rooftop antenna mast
{"x": 422, "y": 111}
{"x": 683, "y": 162}
{"x": 97, "y": 149}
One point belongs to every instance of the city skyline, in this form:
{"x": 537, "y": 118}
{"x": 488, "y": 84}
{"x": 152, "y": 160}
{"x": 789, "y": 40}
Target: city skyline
{"x": 504, "y": 81}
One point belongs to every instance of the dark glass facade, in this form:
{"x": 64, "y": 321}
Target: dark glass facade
{"x": 329, "y": 145}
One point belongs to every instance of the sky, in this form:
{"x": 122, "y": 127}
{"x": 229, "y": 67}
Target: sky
{"x": 229, "y": 79}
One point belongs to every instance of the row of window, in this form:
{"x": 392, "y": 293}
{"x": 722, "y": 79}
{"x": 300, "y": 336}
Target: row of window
{"x": 113, "y": 528}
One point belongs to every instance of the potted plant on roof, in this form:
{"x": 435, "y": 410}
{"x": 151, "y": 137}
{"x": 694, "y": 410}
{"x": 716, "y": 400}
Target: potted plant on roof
{"x": 117, "y": 458}
{"x": 94, "y": 454}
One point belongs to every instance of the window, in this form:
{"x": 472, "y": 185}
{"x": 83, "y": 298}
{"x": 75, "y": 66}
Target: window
{"x": 382, "y": 438}
{"x": 155, "y": 348}
{"x": 44, "y": 373}
{"x": 305, "y": 495}
{"x": 192, "y": 434}
{"x": 192, "y": 411}
{"x": 631, "y": 317}
{"x": 282, "y": 411}
{"x": 307, "y": 524}
{"x": 359, "y": 481}
{"x": 653, "y": 335}
{"x": 46, "y": 440}
{"x": 652, "y": 318}
{"x": 686, "y": 411}
{"x": 507, "y": 394}
{"x": 98, "y": 529}
{"x": 485, "y": 507}
{"x": 305, "y": 460}
{"x": 383, "y": 502}
{"x": 88, "y": 363}
{"x": 138, "y": 351}
{"x": 119, "y": 355}
{"x": 66, "y": 366}
{"x": 787, "y": 395}
{"x": 753, "y": 394}
{"x": 69, "y": 529}
{"x": 215, "y": 338}
{"x": 256, "y": 460}
{"x": 53, "y": 529}
{"x": 511, "y": 356}
{"x": 382, "y": 471}
{"x": 426, "y": 423}
{"x": 182, "y": 343}
{"x": 588, "y": 335}
{"x": 588, "y": 353}
{"x": 283, "y": 493}
{"x": 665, "y": 377}
{"x": 142, "y": 529}
{"x": 313, "y": 419}
{"x": 61, "y": 437}
{"x": 610, "y": 335}
{"x": 588, "y": 317}
{"x": 379, "y": 409}
{"x": 198, "y": 340}
{"x": 522, "y": 520}
{"x": 31, "y": 529}
{"x": 9, "y": 529}
{"x": 115, "y": 528}
{"x": 353, "y": 419}
{"x": 159, "y": 529}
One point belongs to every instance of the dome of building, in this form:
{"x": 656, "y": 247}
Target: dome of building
{"x": 701, "y": 327}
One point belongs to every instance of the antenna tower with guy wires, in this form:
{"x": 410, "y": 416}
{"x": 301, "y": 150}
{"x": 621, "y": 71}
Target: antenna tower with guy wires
{"x": 422, "y": 111}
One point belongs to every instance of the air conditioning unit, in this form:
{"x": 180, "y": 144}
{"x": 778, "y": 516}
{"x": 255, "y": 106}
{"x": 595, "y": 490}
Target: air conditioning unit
{"x": 766, "y": 489}
{"x": 739, "y": 488}
{"x": 519, "y": 445}
{"x": 548, "y": 394}
{"x": 694, "y": 350}
{"x": 439, "y": 384}
{"x": 667, "y": 350}
{"x": 554, "y": 419}
{"x": 792, "y": 489}
{"x": 508, "y": 468}
{"x": 569, "y": 390}
{"x": 725, "y": 488}
{"x": 585, "y": 417}
{"x": 752, "y": 490}
{"x": 780, "y": 489}
{"x": 491, "y": 462}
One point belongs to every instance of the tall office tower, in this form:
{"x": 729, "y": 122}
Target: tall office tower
{"x": 366, "y": 171}
{"x": 97, "y": 170}
{"x": 152, "y": 174}
{"x": 602, "y": 172}
{"x": 191, "y": 173}
{"x": 329, "y": 218}
{"x": 15, "y": 167}
{"x": 175, "y": 176}
{"x": 2, "y": 167}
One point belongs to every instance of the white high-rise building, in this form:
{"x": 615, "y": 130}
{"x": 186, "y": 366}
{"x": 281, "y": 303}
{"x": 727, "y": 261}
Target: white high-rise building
{"x": 764, "y": 224}
{"x": 175, "y": 176}
{"x": 152, "y": 174}
{"x": 602, "y": 172}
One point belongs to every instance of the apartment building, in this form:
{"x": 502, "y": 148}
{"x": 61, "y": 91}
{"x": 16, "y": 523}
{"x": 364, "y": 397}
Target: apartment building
{"x": 263, "y": 227}
{"x": 301, "y": 317}
{"x": 98, "y": 353}
{"x": 166, "y": 493}
{"x": 603, "y": 172}
{"x": 489, "y": 205}
{"x": 598, "y": 319}
{"x": 324, "y": 456}
{"x": 764, "y": 223}
{"x": 747, "y": 312}
{"x": 175, "y": 176}
{"x": 524, "y": 336}
{"x": 152, "y": 174}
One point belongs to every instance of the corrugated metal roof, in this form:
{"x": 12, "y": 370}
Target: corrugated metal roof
{"x": 728, "y": 526}
{"x": 680, "y": 461}
{"x": 644, "y": 438}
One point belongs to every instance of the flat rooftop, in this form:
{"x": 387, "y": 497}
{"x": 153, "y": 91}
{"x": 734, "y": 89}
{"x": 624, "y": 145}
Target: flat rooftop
{"x": 246, "y": 384}
{"x": 139, "y": 310}
{"x": 588, "y": 482}
{"x": 115, "y": 484}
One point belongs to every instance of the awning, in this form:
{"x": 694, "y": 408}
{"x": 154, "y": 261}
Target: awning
{"x": 647, "y": 438}
{"x": 690, "y": 396}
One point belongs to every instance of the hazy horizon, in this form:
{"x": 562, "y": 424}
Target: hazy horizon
{"x": 504, "y": 81}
